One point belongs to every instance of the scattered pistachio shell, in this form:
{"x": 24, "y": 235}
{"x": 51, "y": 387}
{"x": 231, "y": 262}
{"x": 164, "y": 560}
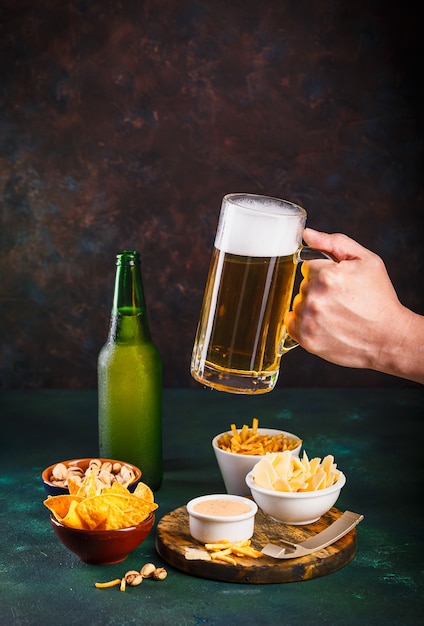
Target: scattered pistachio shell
{"x": 133, "y": 578}
{"x": 160, "y": 573}
{"x": 147, "y": 570}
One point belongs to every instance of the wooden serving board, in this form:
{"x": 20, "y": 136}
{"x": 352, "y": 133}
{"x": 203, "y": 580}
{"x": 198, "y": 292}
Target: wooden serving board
{"x": 173, "y": 538}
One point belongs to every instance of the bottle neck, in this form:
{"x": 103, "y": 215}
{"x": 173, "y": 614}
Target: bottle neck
{"x": 129, "y": 321}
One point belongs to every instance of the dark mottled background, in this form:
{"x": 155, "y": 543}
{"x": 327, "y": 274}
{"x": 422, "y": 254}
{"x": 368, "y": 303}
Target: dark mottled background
{"x": 123, "y": 123}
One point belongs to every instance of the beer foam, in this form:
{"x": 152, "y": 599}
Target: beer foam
{"x": 253, "y": 227}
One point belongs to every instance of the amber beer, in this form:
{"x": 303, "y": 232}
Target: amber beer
{"x": 241, "y": 332}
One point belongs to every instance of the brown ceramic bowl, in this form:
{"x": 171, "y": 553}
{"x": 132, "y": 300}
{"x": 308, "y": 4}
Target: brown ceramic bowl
{"x": 102, "y": 547}
{"x": 55, "y": 490}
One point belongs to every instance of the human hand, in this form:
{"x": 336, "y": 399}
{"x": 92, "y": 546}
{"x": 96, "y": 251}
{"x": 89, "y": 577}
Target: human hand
{"x": 346, "y": 312}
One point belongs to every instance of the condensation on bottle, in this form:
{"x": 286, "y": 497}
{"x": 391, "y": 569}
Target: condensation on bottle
{"x": 130, "y": 379}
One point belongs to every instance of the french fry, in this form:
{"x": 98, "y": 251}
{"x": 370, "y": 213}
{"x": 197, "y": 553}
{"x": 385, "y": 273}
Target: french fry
{"x": 244, "y": 435}
{"x": 248, "y": 441}
{"x": 246, "y": 551}
{"x": 218, "y": 556}
{"x": 110, "y": 583}
{"x": 227, "y": 559}
{"x": 223, "y": 550}
{"x": 217, "y": 546}
{"x": 219, "y": 553}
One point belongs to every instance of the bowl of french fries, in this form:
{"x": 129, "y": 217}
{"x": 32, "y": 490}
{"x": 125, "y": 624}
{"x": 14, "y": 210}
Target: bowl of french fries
{"x": 295, "y": 490}
{"x": 238, "y": 450}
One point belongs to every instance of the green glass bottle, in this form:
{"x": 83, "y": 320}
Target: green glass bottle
{"x": 130, "y": 379}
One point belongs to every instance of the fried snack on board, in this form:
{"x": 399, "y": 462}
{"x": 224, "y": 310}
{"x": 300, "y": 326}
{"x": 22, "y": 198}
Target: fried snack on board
{"x": 110, "y": 509}
{"x": 249, "y": 441}
{"x": 225, "y": 551}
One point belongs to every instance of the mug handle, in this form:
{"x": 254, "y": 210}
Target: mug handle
{"x": 305, "y": 253}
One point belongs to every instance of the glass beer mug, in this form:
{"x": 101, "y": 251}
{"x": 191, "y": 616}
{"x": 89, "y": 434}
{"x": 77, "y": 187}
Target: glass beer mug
{"x": 241, "y": 335}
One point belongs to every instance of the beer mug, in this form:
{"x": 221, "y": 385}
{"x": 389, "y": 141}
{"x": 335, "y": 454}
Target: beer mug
{"x": 241, "y": 335}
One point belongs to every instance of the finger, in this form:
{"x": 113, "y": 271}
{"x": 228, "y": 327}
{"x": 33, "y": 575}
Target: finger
{"x": 290, "y": 324}
{"x": 304, "y": 270}
{"x": 338, "y": 245}
{"x": 296, "y": 301}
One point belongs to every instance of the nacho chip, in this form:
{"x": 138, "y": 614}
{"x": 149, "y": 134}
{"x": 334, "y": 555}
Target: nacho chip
{"x": 116, "y": 488}
{"x": 72, "y": 519}
{"x": 59, "y": 505}
{"x": 143, "y": 491}
{"x": 103, "y": 511}
{"x": 88, "y": 486}
{"x": 110, "y": 508}
{"x": 136, "y": 516}
{"x": 73, "y": 486}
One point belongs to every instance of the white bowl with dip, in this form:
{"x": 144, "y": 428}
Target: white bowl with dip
{"x": 216, "y": 517}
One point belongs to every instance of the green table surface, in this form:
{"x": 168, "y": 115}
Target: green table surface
{"x": 374, "y": 434}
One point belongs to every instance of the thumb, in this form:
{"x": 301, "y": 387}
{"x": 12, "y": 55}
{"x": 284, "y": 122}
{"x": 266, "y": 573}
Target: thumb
{"x": 337, "y": 245}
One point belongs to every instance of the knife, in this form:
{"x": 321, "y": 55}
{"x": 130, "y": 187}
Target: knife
{"x": 287, "y": 550}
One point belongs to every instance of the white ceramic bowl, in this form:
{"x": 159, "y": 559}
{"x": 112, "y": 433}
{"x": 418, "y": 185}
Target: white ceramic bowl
{"x": 297, "y": 508}
{"x": 234, "y": 467}
{"x": 212, "y": 528}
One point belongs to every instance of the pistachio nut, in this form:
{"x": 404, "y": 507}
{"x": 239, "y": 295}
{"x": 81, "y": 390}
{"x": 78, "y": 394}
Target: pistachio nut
{"x": 147, "y": 570}
{"x": 160, "y": 573}
{"x": 133, "y": 578}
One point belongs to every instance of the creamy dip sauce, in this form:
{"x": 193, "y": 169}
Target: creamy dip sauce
{"x": 223, "y": 508}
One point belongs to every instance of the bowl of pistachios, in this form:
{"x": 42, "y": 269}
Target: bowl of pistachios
{"x": 56, "y": 477}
